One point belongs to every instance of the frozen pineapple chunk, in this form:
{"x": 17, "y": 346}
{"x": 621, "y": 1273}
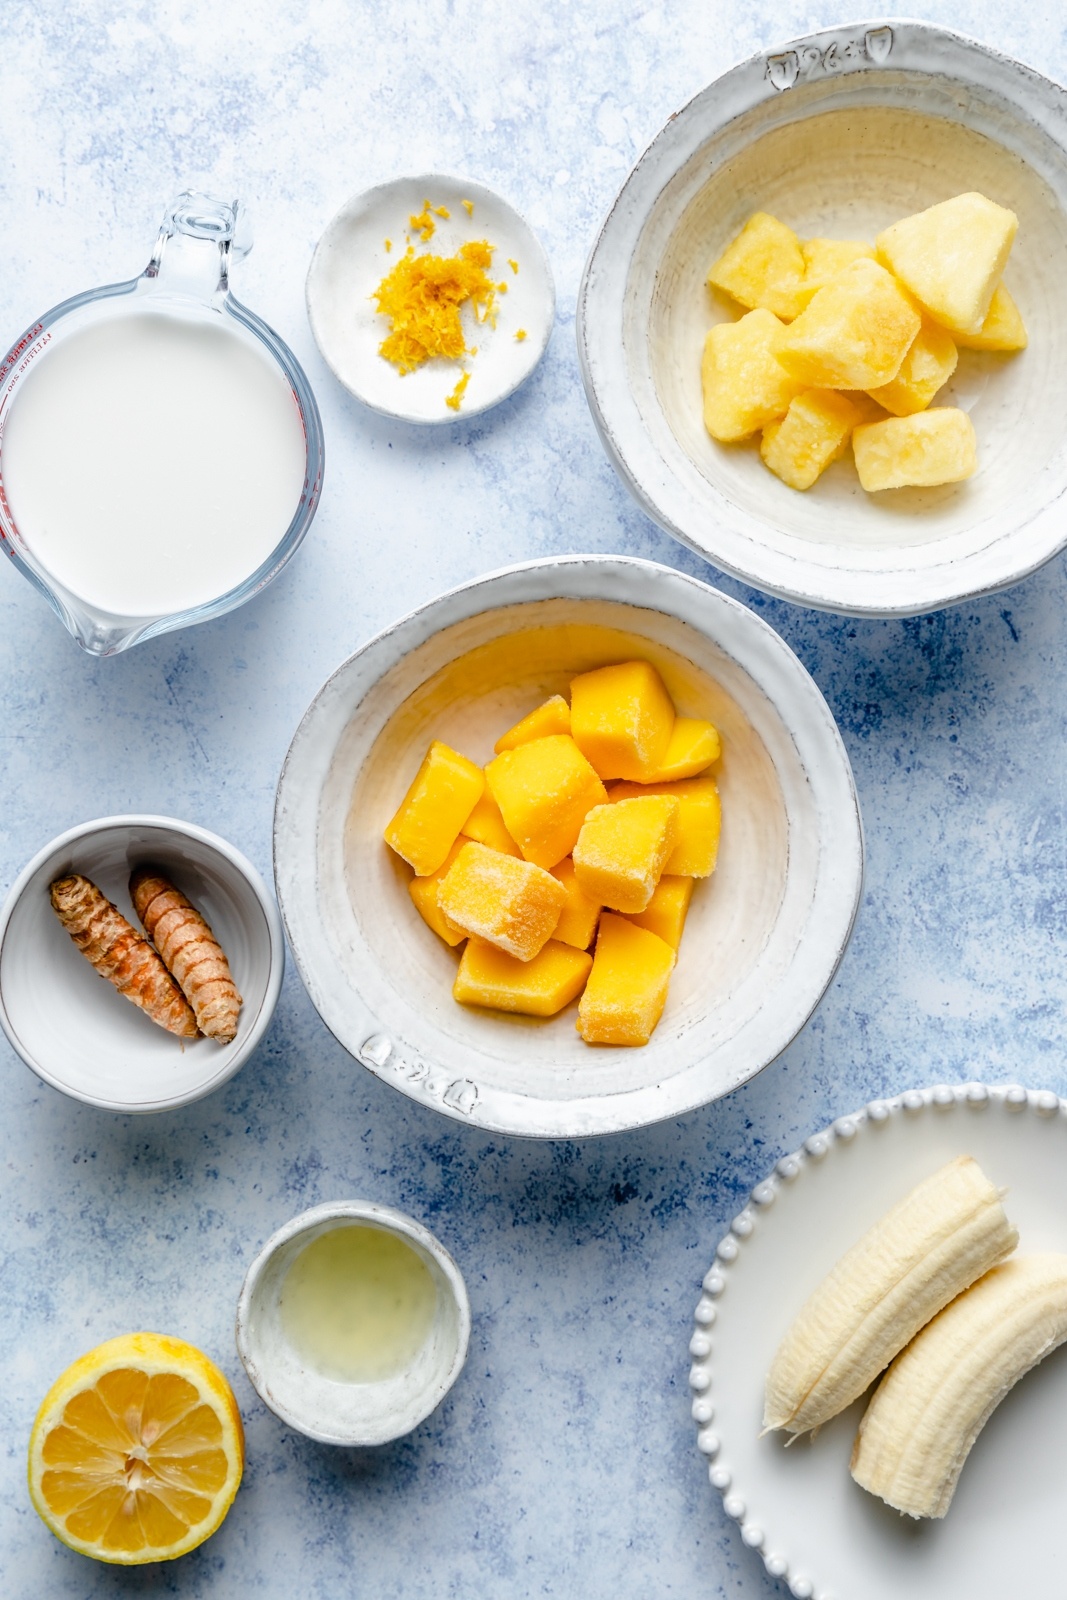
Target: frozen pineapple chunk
{"x": 825, "y": 258}
{"x": 553, "y": 717}
{"x": 536, "y": 988}
{"x": 446, "y": 789}
{"x": 424, "y": 893}
{"x": 693, "y": 746}
{"x": 666, "y": 912}
{"x": 927, "y": 367}
{"x": 544, "y": 789}
{"x": 745, "y": 385}
{"x": 699, "y": 822}
{"x": 951, "y": 257}
{"x": 507, "y": 902}
{"x": 622, "y": 848}
{"x": 486, "y": 825}
{"x": 580, "y": 915}
{"x": 622, "y": 718}
{"x": 627, "y": 988}
{"x": 1003, "y": 328}
{"x": 763, "y": 266}
{"x": 814, "y": 431}
{"x": 932, "y": 447}
{"x": 853, "y": 335}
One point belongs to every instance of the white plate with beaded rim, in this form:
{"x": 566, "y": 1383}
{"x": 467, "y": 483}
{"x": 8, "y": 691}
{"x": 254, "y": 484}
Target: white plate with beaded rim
{"x": 798, "y": 1508}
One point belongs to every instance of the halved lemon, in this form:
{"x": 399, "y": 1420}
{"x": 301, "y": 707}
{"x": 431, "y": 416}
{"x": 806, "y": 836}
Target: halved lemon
{"x": 137, "y": 1450}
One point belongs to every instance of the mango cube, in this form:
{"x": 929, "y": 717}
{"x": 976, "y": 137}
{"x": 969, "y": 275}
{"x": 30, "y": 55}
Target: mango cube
{"x": 932, "y": 447}
{"x": 1003, "y": 328}
{"x": 553, "y": 717}
{"x": 627, "y": 987}
{"x": 507, "y": 902}
{"x": 694, "y": 745}
{"x": 853, "y": 335}
{"x": 951, "y": 257}
{"x": 699, "y": 822}
{"x": 536, "y": 988}
{"x": 763, "y": 266}
{"x": 580, "y": 915}
{"x": 545, "y": 789}
{"x": 745, "y": 385}
{"x": 621, "y": 719}
{"x": 814, "y": 431}
{"x": 446, "y": 789}
{"x": 622, "y": 848}
{"x": 666, "y": 912}
{"x": 486, "y": 825}
{"x": 423, "y": 892}
{"x": 927, "y": 367}
{"x": 826, "y": 258}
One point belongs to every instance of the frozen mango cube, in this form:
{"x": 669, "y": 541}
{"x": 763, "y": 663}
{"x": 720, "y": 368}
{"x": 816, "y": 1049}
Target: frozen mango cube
{"x": 932, "y": 447}
{"x": 826, "y": 258}
{"x": 424, "y": 893}
{"x": 699, "y": 822}
{"x": 627, "y": 988}
{"x": 622, "y": 848}
{"x": 536, "y": 988}
{"x": 506, "y": 901}
{"x": 553, "y": 717}
{"x": 814, "y": 431}
{"x": 693, "y": 746}
{"x": 927, "y": 367}
{"x": 853, "y": 335}
{"x": 745, "y": 385}
{"x": 666, "y": 912}
{"x": 763, "y": 266}
{"x": 951, "y": 257}
{"x": 486, "y": 825}
{"x": 1003, "y": 328}
{"x": 622, "y": 718}
{"x": 544, "y": 789}
{"x": 446, "y": 789}
{"x": 580, "y": 915}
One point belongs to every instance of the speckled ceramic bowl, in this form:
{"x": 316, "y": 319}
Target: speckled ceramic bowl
{"x": 839, "y": 135}
{"x": 764, "y": 934}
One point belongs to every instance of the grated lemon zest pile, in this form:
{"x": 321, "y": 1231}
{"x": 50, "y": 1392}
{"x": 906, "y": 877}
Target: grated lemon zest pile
{"x": 422, "y": 297}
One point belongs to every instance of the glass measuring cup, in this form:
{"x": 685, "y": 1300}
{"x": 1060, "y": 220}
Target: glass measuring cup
{"x": 187, "y": 278}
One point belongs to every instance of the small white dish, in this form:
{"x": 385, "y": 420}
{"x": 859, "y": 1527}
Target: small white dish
{"x": 764, "y": 935}
{"x": 78, "y": 1033}
{"x": 351, "y": 259}
{"x": 324, "y": 1408}
{"x": 839, "y": 135}
{"x": 798, "y": 1508}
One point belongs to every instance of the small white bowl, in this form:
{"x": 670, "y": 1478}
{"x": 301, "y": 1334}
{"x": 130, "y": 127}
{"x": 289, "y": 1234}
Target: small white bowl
{"x": 325, "y": 1408}
{"x": 839, "y": 135}
{"x": 764, "y": 935}
{"x": 78, "y": 1033}
{"x": 351, "y": 260}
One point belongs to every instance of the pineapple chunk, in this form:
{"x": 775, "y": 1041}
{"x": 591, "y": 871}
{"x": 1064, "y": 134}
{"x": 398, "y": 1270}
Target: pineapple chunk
{"x": 814, "y": 431}
{"x": 826, "y": 258}
{"x": 929, "y": 448}
{"x": 445, "y": 791}
{"x": 745, "y": 386}
{"x": 486, "y": 825}
{"x": 696, "y": 848}
{"x": 927, "y": 367}
{"x": 423, "y": 892}
{"x": 627, "y": 988}
{"x": 666, "y": 912}
{"x": 951, "y": 257}
{"x": 762, "y": 267}
{"x": 622, "y": 718}
{"x": 1003, "y": 328}
{"x": 511, "y": 904}
{"x": 853, "y": 335}
{"x": 537, "y": 988}
{"x": 580, "y": 915}
{"x": 622, "y": 849}
{"x": 694, "y": 745}
{"x": 544, "y": 789}
{"x": 553, "y": 717}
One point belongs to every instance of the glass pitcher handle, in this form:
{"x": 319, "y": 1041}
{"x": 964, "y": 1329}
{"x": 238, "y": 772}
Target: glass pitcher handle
{"x": 198, "y": 238}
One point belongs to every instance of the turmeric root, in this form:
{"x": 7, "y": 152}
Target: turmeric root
{"x": 190, "y": 951}
{"x": 120, "y": 954}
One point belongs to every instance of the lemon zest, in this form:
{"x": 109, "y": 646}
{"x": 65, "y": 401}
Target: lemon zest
{"x": 514, "y": 265}
{"x": 422, "y": 296}
{"x": 468, "y": 206}
{"x": 520, "y": 334}
{"x": 455, "y": 399}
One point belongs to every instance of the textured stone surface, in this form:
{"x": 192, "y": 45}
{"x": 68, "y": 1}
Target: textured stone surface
{"x": 563, "y": 1461}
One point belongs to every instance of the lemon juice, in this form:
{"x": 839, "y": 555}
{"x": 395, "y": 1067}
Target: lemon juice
{"x": 357, "y": 1304}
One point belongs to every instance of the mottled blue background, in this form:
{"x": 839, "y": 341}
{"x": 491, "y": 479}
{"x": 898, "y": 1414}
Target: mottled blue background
{"x": 563, "y": 1461}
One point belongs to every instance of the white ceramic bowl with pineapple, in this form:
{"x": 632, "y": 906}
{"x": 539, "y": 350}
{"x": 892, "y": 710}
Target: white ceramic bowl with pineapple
{"x": 764, "y": 934}
{"x": 839, "y": 135}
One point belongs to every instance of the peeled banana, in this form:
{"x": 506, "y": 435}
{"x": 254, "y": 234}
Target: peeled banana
{"x": 939, "y": 1393}
{"x": 933, "y": 1244}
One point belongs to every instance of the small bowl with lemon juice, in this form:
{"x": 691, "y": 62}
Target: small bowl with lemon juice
{"x": 353, "y": 1323}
